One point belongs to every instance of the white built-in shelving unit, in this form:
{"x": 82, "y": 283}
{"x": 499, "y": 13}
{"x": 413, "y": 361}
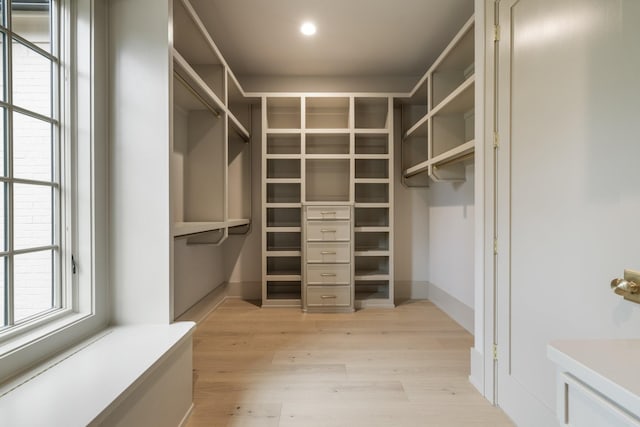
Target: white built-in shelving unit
{"x": 328, "y": 151}
{"x": 210, "y": 154}
{"x": 438, "y": 116}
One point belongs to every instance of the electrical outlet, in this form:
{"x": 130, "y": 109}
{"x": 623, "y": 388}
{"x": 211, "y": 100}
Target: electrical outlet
{"x": 632, "y": 276}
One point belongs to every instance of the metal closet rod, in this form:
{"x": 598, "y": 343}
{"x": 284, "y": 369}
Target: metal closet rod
{"x": 196, "y": 94}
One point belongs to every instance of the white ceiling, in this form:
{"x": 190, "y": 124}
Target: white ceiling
{"x": 356, "y": 38}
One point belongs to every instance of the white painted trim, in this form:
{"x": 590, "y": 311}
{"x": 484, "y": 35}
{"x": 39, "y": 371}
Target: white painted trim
{"x": 458, "y": 311}
{"x": 477, "y": 369}
{"x": 186, "y": 416}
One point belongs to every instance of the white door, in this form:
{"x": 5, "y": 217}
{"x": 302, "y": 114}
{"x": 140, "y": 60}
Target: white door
{"x": 568, "y": 186}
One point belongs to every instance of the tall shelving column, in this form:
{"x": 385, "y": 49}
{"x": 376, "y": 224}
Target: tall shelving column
{"x": 327, "y": 150}
{"x": 373, "y": 193}
{"x": 438, "y": 133}
{"x": 282, "y": 202}
{"x": 210, "y": 157}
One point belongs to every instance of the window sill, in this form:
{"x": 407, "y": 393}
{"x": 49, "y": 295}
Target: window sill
{"x": 94, "y": 377}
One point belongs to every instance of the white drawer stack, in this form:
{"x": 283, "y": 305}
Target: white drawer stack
{"x": 328, "y": 259}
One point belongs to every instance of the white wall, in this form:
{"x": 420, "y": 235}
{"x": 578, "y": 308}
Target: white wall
{"x": 434, "y": 247}
{"x": 140, "y": 218}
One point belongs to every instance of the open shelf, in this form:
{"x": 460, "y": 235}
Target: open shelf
{"x": 283, "y": 168}
{"x": 239, "y": 106}
{"x": 372, "y": 193}
{"x": 371, "y": 144}
{"x": 372, "y": 168}
{"x": 283, "y": 113}
{"x": 284, "y": 217}
{"x": 284, "y": 290}
{"x": 185, "y": 77}
{"x": 186, "y": 228}
{"x": 283, "y": 241}
{"x": 283, "y": 143}
{"x": 371, "y": 217}
{"x": 284, "y": 266}
{"x": 372, "y": 289}
{"x": 444, "y": 135}
{"x": 195, "y": 47}
{"x": 327, "y": 113}
{"x": 327, "y": 180}
{"x": 371, "y": 113}
{"x": 332, "y": 143}
{"x": 283, "y": 193}
{"x": 372, "y": 241}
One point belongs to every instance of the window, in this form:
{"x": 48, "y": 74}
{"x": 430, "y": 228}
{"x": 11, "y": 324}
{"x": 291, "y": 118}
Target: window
{"x": 52, "y": 186}
{"x": 31, "y": 178}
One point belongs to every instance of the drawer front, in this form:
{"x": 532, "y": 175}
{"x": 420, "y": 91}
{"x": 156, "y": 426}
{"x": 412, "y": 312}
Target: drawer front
{"x": 319, "y": 231}
{"x": 323, "y": 296}
{"x": 328, "y": 274}
{"x": 328, "y": 252}
{"x": 328, "y": 212}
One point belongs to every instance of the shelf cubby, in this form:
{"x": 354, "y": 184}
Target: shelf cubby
{"x": 371, "y": 266}
{"x": 283, "y": 241}
{"x": 332, "y": 143}
{"x": 371, "y": 217}
{"x": 372, "y": 289}
{"x": 284, "y": 217}
{"x": 284, "y": 266}
{"x": 286, "y": 143}
{"x": 327, "y": 180}
{"x": 372, "y": 168}
{"x": 371, "y": 144}
{"x": 372, "y": 193}
{"x": 371, "y": 113}
{"x": 372, "y": 241}
{"x": 283, "y": 113}
{"x": 283, "y": 193}
{"x": 284, "y": 290}
{"x": 327, "y": 113}
{"x": 283, "y": 168}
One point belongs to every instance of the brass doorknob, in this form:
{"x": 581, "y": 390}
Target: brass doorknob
{"x": 622, "y": 287}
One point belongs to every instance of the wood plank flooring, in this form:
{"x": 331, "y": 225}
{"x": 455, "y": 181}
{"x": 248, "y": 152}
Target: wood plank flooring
{"x": 405, "y": 367}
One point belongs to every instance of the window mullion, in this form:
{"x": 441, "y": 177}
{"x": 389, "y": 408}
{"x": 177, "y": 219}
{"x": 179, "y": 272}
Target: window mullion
{"x": 9, "y": 170}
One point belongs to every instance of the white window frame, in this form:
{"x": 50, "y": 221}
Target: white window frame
{"x": 83, "y": 212}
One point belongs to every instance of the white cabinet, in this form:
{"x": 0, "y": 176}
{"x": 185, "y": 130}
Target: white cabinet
{"x": 332, "y": 154}
{"x": 598, "y": 383}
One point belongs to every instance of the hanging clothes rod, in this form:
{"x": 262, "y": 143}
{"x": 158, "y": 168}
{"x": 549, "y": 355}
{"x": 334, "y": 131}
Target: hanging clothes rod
{"x": 195, "y": 93}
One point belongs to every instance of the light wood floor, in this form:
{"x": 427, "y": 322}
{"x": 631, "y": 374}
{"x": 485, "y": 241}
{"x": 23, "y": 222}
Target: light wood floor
{"x": 376, "y": 368}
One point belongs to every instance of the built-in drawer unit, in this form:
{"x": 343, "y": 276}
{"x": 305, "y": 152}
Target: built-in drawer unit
{"x": 328, "y": 212}
{"x": 328, "y": 274}
{"x": 323, "y": 252}
{"x": 328, "y": 231}
{"x": 329, "y": 296}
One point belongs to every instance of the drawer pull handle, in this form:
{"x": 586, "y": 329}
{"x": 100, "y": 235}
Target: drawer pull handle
{"x": 328, "y": 213}
{"x": 328, "y": 230}
{"x": 328, "y": 297}
{"x": 327, "y": 274}
{"x": 328, "y": 252}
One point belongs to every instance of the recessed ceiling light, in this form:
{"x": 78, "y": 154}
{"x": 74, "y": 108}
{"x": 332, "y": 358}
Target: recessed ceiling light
{"x": 308, "y": 28}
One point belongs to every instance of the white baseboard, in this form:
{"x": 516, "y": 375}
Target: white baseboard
{"x": 457, "y": 310}
{"x": 476, "y": 378}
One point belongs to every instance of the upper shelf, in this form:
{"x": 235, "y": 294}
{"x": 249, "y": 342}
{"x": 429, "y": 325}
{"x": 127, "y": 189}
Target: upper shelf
{"x": 189, "y": 228}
